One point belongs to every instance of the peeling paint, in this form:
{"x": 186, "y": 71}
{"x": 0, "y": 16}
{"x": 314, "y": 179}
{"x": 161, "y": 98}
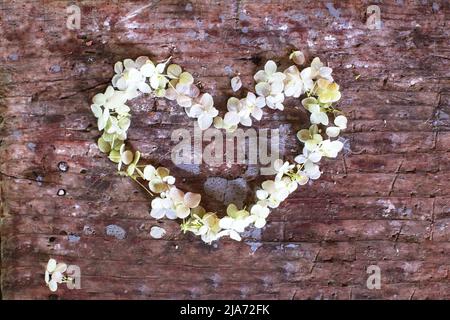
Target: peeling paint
{"x": 116, "y": 231}
{"x": 73, "y": 238}
{"x": 332, "y": 10}
{"x": 253, "y": 245}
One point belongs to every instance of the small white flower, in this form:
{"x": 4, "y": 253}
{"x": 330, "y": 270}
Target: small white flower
{"x": 158, "y": 81}
{"x": 269, "y": 74}
{"x": 181, "y": 87}
{"x": 54, "y": 274}
{"x": 309, "y": 160}
{"x": 118, "y": 126}
{"x": 318, "y": 116}
{"x": 159, "y": 179}
{"x": 293, "y": 84}
{"x": 318, "y": 70}
{"x": 282, "y": 168}
{"x": 251, "y": 106}
{"x": 232, "y": 117}
{"x": 163, "y": 207}
{"x": 272, "y": 193}
{"x": 110, "y": 100}
{"x": 129, "y": 78}
{"x": 239, "y": 111}
{"x": 259, "y": 215}
{"x": 341, "y": 124}
{"x": 209, "y": 227}
{"x": 183, "y": 202}
{"x": 235, "y": 222}
{"x": 269, "y": 84}
{"x": 310, "y": 137}
{"x": 204, "y": 111}
{"x": 330, "y": 148}
{"x": 273, "y": 94}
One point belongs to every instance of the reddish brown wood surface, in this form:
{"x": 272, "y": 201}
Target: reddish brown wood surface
{"x": 385, "y": 202}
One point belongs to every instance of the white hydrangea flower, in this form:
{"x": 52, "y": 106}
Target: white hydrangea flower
{"x": 232, "y": 117}
{"x": 282, "y": 168}
{"x": 330, "y": 148}
{"x": 235, "y": 222}
{"x": 318, "y": 116}
{"x": 272, "y": 193}
{"x": 310, "y": 137}
{"x": 110, "y": 100}
{"x": 341, "y": 124}
{"x": 129, "y": 78}
{"x": 158, "y": 81}
{"x": 54, "y": 274}
{"x": 289, "y": 184}
{"x": 273, "y": 94}
{"x": 159, "y": 179}
{"x": 208, "y": 228}
{"x": 181, "y": 87}
{"x": 269, "y": 74}
{"x": 251, "y": 106}
{"x": 301, "y": 178}
{"x": 204, "y": 111}
{"x": 318, "y": 70}
{"x": 293, "y": 84}
{"x": 259, "y": 214}
{"x": 118, "y": 126}
{"x": 163, "y": 207}
{"x": 239, "y": 111}
{"x": 183, "y": 202}
{"x": 309, "y": 160}
{"x": 270, "y": 85}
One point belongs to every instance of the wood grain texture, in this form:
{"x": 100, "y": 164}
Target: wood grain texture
{"x": 386, "y": 201}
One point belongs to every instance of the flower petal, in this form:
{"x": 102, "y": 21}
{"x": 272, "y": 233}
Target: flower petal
{"x": 174, "y": 71}
{"x": 157, "y": 232}
{"x": 204, "y": 121}
{"x": 192, "y": 200}
{"x": 333, "y": 132}
{"x": 341, "y": 122}
{"x": 262, "y": 89}
{"x": 236, "y": 83}
{"x": 231, "y": 118}
{"x": 270, "y": 67}
{"x": 51, "y": 265}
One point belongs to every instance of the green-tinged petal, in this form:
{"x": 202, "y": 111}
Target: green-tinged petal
{"x": 114, "y": 156}
{"x": 103, "y": 145}
{"x": 174, "y": 71}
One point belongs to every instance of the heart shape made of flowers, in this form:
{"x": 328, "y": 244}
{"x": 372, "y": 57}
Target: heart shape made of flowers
{"x": 141, "y": 76}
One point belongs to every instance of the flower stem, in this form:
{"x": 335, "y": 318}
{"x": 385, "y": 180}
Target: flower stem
{"x": 139, "y": 183}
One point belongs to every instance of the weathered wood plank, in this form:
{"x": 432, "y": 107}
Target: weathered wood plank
{"x": 386, "y": 201}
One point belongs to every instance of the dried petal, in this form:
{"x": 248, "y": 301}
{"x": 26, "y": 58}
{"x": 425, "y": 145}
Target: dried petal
{"x": 236, "y": 83}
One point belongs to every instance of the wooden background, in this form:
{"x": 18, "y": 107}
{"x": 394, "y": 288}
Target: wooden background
{"x": 385, "y": 202}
